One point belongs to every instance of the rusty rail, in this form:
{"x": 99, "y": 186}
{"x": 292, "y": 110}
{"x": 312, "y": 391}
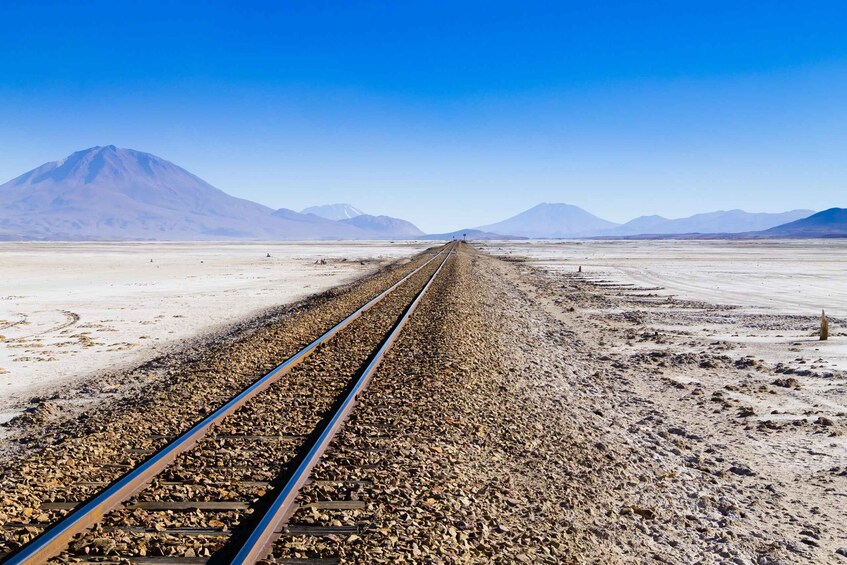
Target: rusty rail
{"x": 55, "y": 539}
{"x": 260, "y": 541}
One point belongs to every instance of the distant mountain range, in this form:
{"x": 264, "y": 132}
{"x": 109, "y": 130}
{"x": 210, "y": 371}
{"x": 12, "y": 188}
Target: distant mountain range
{"x": 829, "y": 223}
{"x": 107, "y": 193}
{"x": 470, "y": 234}
{"x": 568, "y": 221}
{"x": 381, "y": 225}
{"x": 722, "y": 221}
{"x": 334, "y": 211}
{"x": 385, "y": 225}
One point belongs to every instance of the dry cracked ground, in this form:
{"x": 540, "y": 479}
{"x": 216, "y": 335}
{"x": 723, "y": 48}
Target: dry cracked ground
{"x": 534, "y": 417}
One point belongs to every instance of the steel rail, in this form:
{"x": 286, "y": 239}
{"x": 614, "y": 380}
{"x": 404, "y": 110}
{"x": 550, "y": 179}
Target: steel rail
{"x": 260, "y": 541}
{"x": 55, "y": 539}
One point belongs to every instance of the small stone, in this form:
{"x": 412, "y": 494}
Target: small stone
{"x": 742, "y": 469}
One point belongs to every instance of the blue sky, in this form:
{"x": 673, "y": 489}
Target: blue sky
{"x": 450, "y": 114}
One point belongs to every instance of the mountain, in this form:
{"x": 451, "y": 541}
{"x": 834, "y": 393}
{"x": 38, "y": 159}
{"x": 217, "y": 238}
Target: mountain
{"x": 111, "y": 193}
{"x": 334, "y": 211}
{"x": 722, "y": 221}
{"x": 385, "y": 226}
{"x": 469, "y": 234}
{"x": 381, "y": 227}
{"x": 551, "y": 221}
{"x": 829, "y": 223}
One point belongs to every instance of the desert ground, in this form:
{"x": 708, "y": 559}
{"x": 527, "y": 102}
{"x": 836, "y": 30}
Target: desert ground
{"x": 714, "y": 366}
{"x": 70, "y": 310}
{"x": 773, "y": 291}
{"x": 669, "y": 402}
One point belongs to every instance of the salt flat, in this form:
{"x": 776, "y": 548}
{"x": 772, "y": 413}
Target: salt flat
{"x": 71, "y": 309}
{"x": 787, "y": 281}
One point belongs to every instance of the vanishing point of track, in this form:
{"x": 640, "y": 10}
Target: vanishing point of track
{"x": 242, "y": 466}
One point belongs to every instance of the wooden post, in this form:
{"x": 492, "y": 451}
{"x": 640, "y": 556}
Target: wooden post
{"x": 824, "y": 326}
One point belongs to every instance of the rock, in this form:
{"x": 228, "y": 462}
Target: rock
{"x": 789, "y": 382}
{"x": 742, "y": 469}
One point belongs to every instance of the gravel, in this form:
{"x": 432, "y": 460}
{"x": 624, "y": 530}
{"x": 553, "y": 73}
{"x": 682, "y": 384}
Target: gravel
{"x": 73, "y": 459}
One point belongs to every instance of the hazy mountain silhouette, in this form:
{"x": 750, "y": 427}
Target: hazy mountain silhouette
{"x": 112, "y": 193}
{"x": 333, "y": 211}
{"x": 563, "y": 220}
{"x": 470, "y": 234}
{"x": 385, "y": 226}
{"x": 829, "y": 223}
{"x": 722, "y": 221}
{"x": 550, "y": 220}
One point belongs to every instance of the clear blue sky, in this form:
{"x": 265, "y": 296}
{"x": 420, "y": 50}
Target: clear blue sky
{"x": 450, "y": 114}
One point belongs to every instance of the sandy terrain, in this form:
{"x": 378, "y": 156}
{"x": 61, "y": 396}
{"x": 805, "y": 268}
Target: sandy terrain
{"x": 776, "y": 289}
{"x": 708, "y": 359}
{"x": 72, "y": 309}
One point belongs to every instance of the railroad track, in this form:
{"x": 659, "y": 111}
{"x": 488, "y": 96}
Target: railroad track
{"x": 223, "y": 490}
